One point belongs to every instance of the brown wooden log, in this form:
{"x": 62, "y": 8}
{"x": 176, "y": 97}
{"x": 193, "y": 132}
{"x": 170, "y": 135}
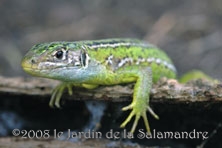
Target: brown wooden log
{"x": 164, "y": 91}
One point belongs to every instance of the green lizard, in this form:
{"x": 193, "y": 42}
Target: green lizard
{"x": 102, "y": 62}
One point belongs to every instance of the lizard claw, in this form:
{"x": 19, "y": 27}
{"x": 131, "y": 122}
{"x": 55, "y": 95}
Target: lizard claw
{"x": 127, "y": 107}
{"x": 152, "y": 113}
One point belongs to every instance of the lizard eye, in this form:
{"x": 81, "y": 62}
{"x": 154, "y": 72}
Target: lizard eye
{"x": 59, "y": 54}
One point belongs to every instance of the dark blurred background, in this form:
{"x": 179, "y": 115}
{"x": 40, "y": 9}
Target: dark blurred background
{"x": 189, "y": 31}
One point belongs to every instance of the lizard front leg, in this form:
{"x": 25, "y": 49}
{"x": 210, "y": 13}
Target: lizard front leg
{"x": 140, "y": 103}
{"x": 58, "y": 91}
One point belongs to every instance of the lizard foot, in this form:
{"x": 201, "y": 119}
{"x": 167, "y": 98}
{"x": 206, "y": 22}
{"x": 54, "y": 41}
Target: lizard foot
{"x": 138, "y": 111}
{"x": 57, "y": 94}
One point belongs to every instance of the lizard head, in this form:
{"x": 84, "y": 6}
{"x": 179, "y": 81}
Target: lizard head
{"x": 52, "y": 60}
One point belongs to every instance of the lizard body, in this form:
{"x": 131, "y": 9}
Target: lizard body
{"x": 102, "y": 62}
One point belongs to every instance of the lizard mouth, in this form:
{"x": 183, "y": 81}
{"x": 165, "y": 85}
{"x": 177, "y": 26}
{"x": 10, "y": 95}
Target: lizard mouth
{"x": 32, "y": 71}
{"x": 29, "y": 67}
{"x": 43, "y": 69}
